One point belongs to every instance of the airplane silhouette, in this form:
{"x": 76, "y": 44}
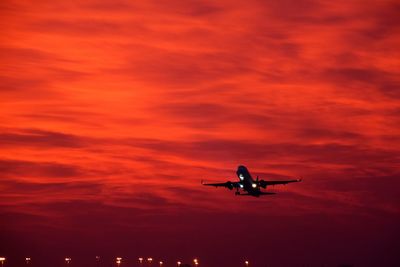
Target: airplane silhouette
{"x": 247, "y": 184}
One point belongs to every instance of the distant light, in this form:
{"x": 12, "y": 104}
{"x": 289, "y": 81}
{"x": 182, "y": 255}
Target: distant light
{"x": 241, "y": 186}
{"x": 254, "y": 185}
{"x": 246, "y": 262}
{"x": 140, "y": 259}
{"x": 67, "y": 260}
{"x": 97, "y": 258}
{"x": 241, "y": 176}
{"x": 2, "y": 258}
{"x": 179, "y": 263}
{"x": 161, "y": 263}
{"x": 27, "y": 259}
{"x": 150, "y": 259}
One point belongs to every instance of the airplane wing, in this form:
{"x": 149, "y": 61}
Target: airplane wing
{"x": 264, "y": 183}
{"x": 228, "y": 184}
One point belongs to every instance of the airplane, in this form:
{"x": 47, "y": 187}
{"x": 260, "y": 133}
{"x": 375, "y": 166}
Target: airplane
{"x": 246, "y": 183}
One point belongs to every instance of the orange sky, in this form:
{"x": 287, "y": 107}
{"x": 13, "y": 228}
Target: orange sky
{"x": 127, "y": 105}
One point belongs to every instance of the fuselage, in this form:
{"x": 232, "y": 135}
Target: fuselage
{"x": 246, "y": 181}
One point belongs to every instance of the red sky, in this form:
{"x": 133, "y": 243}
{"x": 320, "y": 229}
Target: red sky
{"x": 113, "y": 111}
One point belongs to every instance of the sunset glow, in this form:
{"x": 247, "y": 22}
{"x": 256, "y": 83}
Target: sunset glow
{"x": 112, "y": 112}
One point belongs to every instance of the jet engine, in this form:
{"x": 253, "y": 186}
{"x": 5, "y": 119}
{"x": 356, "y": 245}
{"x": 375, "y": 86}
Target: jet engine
{"x": 262, "y": 184}
{"x": 229, "y": 184}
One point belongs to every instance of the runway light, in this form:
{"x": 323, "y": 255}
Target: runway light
{"x": 118, "y": 260}
{"x": 150, "y": 259}
{"x": 141, "y": 260}
{"x": 161, "y": 263}
{"x": 196, "y": 262}
{"x": 28, "y": 260}
{"x": 247, "y": 263}
{"x": 178, "y": 263}
{"x": 67, "y": 260}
